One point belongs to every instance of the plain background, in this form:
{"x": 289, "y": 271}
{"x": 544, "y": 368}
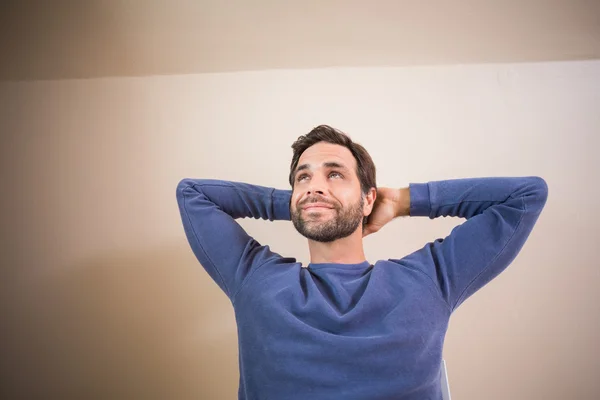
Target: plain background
{"x": 102, "y": 297}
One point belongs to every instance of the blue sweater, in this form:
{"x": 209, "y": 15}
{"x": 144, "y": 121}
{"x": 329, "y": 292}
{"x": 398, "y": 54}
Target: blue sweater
{"x": 353, "y": 331}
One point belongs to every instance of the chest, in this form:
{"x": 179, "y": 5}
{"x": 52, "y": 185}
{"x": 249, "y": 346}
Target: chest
{"x": 378, "y": 303}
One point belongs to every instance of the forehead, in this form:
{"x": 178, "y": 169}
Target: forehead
{"x": 322, "y": 152}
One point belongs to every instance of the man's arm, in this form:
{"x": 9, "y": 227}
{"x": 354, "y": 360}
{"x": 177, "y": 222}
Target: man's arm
{"x": 208, "y": 209}
{"x": 501, "y": 213}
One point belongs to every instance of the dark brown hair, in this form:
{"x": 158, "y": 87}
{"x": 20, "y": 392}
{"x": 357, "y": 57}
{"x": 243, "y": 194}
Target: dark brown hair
{"x": 365, "y": 168}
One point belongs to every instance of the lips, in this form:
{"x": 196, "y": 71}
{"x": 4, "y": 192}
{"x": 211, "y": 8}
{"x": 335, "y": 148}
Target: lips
{"x": 317, "y": 206}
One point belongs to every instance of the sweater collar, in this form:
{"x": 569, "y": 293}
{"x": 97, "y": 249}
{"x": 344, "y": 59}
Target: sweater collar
{"x": 360, "y": 265}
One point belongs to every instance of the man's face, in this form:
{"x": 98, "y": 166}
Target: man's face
{"x": 327, "y": 203}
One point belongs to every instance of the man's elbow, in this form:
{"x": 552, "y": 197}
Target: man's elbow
{"x": 537, "y": 193}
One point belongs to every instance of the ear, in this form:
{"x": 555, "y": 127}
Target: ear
{"x": 370, "y": 198}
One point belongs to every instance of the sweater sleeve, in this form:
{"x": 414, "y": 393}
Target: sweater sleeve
{"x": 208, "y": 209}
{"x": 501, "y": 213}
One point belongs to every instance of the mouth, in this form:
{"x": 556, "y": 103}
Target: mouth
{"x": 317, "y": 208}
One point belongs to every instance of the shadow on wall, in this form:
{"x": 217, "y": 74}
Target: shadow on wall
{"x": 123, "y": 326}
{"x": 67, "y": 40}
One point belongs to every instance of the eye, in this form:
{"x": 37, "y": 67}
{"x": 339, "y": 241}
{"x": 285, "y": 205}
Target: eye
{"x": 301, "y": 177}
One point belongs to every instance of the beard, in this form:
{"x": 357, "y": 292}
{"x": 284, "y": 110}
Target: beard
{"x": 318, "y": 226}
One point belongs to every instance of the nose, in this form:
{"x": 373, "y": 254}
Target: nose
{"x": 313, "y": 191}
{"x": 316, "y": 186}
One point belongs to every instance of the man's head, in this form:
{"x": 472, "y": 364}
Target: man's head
{"x": 329, "y": 170}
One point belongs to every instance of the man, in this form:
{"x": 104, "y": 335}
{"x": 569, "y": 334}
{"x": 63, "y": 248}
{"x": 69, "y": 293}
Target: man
{"x": 343, "y": 328}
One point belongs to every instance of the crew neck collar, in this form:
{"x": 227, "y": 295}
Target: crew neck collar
{"x": 363, "y": 264}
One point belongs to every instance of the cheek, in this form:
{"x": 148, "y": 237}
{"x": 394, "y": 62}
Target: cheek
{"x": 293, "y": 202}
{"x": 348, "y": 198}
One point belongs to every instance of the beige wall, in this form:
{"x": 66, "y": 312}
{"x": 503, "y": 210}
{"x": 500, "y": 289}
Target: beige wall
{"x": 101, "y": 294}
{"x": 66, "y": 39}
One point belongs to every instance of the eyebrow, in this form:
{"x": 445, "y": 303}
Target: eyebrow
{"x": 329, "y": 164}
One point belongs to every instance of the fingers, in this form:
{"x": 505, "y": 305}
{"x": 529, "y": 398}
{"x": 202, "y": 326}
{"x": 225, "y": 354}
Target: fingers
{"x": 369, "y": 229}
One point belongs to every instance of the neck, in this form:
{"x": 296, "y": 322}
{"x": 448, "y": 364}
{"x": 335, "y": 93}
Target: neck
{"x": 348, "y": 250}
